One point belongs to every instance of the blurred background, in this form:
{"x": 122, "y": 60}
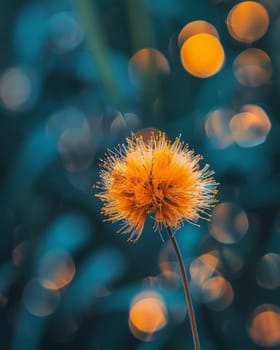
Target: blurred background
{"x": 79, "y": 76}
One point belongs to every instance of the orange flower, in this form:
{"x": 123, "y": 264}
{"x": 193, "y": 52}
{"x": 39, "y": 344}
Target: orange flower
{"x": 156, "y": 177}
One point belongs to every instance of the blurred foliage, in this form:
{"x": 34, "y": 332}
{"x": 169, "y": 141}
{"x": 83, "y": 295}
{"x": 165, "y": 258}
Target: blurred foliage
{"x": 69, "y": 89}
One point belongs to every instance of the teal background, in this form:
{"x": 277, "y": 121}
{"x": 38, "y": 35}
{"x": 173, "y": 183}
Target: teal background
{"x": 75, "y": 56}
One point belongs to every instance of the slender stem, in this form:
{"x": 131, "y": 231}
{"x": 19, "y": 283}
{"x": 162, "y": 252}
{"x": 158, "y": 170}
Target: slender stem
{"x": 187, "y": 290}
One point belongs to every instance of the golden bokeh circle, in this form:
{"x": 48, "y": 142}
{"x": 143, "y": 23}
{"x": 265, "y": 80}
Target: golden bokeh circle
{"x": 147, "y": 315}
{"x": 252, "y": 67}
{"x": 264, "y": 325}
{"x": 250, "y": 127}
{"x": 229, "y": 223}
{"x": 196, "y": 27}
{"x": 218, "y": 293}
{"x": 247, "y": 21}
{"x": 145, "y": 61}
{"x": 202, "y": 55}
{"x": 217, "y": 128}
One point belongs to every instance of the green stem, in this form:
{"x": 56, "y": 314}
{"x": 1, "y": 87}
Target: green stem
{"x": 187, "y": 290}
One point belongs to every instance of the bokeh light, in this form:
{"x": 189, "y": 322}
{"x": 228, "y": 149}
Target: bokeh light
{"x": 202, "y": 55}
{"x": 76, "y": 148}
{"x": 75, "y": 81}
{"x": 56, "y": 269}
{"x": 203, "y": 267}
{"x": 61, "y": 120}
{"x": 268, "y": 271}
{"x": 18, "y": 88}
{"x": 21, "y": 252}
{"x": 64, "y": 32}
{"x": 233, "y": 259}
{"x": 146, "y": 61}
{"x": 250, "y": 127}
{"x": 125, "y": 123}
{"x": 217, "y": 128}
{"x": 207, "y": 284}
{"x": 217, "y": 293}
{"x": 247, "y": 21}
{"x": 170, "y": 275}
{"x": 71, "y": 131}
{"x": 147, "y": 315}
{"x": 252, "y": 67}
{"x": 196, "y": 27}
{"x": 3, "y": 300}
{"x": 229, "y": 223}
{"x": 38, "y": 300}
{"x": 264, "y": 325}
{"x": 146, "y": 133}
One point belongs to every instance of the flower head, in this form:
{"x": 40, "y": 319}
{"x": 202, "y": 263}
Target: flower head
{"x": 158, "y": 178}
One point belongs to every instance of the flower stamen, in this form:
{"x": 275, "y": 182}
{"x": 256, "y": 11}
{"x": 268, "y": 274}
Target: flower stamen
{"x": 157, "y": 178}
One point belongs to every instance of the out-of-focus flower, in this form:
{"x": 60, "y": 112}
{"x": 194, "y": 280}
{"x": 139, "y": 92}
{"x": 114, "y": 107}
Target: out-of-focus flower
{"x": 157, "y": 177}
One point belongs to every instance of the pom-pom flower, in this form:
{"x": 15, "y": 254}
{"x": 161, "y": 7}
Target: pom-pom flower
{"x": 154, "y": 177}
